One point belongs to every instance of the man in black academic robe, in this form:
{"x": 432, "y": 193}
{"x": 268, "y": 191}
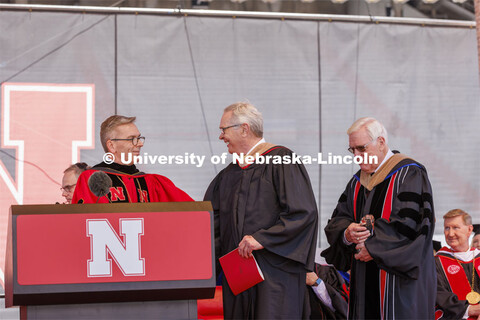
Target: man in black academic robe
{"x": 456, "y": 278}
{"x": 392, "y": 268}
{"x": 268, "y": 209}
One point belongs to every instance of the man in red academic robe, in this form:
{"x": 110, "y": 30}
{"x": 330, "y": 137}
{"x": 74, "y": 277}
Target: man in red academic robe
{"x": 121, "y": 138}
{"x": 458, "y": 282}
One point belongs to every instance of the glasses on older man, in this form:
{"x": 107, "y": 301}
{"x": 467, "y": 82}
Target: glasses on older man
{"x": 360, "y": 148}
{"x": 134, "y": 140}
{"x": 222, "y": 129}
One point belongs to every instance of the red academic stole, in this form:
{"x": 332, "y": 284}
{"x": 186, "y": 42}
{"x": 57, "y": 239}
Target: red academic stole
{"x": 355, "y": 196}
{"x": 457, "y": 279}
{"x": 387, "y": 204}
{"x": 386, "y": 211}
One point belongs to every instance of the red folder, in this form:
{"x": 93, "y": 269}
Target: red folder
{"x": 241, "y": 273}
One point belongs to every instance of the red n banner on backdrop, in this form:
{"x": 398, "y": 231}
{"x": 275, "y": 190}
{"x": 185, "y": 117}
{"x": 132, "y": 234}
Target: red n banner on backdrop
{"x": 46, "y": 125}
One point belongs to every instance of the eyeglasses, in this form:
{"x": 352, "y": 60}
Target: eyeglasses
{"x": 360, "y": 148}
{"x": 134, "y": 140}
{"x": 222, "y": 129}
{"x": 68, "y": 189}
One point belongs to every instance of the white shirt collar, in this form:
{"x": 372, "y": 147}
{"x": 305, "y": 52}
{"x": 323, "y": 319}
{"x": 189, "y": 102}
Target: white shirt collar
{"x": 261, "y": 141}
{"x": 465, "y": 256}
{"x": 387, "y": 156}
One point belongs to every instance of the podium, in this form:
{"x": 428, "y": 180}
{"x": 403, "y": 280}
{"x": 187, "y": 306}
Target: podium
{"x": 94, "y": 261}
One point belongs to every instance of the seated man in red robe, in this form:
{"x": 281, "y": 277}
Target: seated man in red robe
{"x": 458, "y": 282}
{"x": 122, "y": 141}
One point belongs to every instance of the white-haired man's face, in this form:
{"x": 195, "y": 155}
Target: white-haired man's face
{"x": 361, "y": 143}
{"x": 231, "y": 134}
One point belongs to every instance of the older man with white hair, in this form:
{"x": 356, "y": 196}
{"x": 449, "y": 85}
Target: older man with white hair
{"x": 266, "y": 210}
{"x": 382, "y": 230}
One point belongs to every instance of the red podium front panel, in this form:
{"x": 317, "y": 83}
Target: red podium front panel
{"x": 109, "y": 252}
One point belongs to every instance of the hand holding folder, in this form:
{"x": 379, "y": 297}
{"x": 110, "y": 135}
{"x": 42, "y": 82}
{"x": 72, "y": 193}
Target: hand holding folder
{"x": 241, "y": 273}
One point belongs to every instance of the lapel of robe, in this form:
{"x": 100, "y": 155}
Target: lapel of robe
{"x": 242, "y": 201}
{"x": 369, "y": 182}
{"x": 247, "y": 172}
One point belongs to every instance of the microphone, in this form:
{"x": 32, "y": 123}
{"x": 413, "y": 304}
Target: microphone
{"x": 100, "y": 183}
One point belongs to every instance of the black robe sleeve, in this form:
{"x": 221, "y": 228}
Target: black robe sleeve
{"x": 339, "y": 254}
{"x": 398, "y": 244}
{"x": 209, "y": 196}
{"x": 294, "y": 234}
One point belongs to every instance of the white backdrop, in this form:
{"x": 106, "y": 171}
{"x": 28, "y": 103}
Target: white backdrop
{"x": 310, "y": 79}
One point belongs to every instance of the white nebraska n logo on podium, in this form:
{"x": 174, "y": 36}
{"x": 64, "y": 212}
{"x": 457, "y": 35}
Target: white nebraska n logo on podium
{"x": 104, "y": 241}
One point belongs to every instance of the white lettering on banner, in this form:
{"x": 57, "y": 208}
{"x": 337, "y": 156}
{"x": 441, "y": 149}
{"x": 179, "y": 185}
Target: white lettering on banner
{"x": 105, "y": 242}
{"x": 20, "y": 133}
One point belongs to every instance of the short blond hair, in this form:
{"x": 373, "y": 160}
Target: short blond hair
{"x": 109, "y": 125}
{"x": 374, "y": 128}
{"x": 244, "y": 112}
{"x": 459, "y": 213}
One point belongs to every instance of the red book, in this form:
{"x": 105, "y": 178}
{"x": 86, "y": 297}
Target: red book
{"x": 241, "y": 273}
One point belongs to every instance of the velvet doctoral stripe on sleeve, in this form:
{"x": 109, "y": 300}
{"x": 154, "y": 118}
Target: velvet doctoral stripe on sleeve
{"x": 400, "y": 281}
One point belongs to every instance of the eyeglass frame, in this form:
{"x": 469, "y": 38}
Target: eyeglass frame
{"x": 361, "y": 148}
{"x": 68, "y": 188}
{"x": 222, "y": 129}
{"x": 139, "y": 138}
